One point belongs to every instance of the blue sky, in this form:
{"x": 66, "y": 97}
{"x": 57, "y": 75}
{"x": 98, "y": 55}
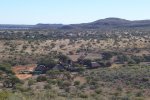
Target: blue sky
{"x": 70, "y": 11}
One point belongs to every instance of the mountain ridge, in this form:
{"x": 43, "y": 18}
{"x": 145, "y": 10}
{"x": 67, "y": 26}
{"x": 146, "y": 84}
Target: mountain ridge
{"x": 110, "y": 22}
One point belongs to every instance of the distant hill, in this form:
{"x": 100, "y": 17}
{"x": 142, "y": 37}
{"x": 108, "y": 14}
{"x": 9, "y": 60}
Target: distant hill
{"x": 10, "y": 26}
{"x": 99, "y": 24}
{"x": 113, "y": 23}
{"x": 53, "y": 26}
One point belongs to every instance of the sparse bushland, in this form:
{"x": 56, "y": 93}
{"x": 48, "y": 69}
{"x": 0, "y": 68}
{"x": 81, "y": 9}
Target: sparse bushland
{"x": 123, "y": 83}
{"x": 123, "y": 55}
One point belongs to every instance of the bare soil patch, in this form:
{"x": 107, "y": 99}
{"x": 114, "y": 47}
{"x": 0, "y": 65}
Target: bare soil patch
{"x": 17, "y": 69}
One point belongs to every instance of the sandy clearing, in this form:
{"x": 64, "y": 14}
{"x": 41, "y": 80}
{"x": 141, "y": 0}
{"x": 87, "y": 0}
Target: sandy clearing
{"x": 17, "y": 69}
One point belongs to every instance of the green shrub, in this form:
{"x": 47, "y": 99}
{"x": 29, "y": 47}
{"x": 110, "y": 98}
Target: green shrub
{"x": 47, "y": 86}
{"x": 4, "y": 95}
{"x": 21, "y": 88}
{"x": 98, "y": 91}
{"x": 66, "y": 84}
{"x": 139, "y": 94}
{"x": 31, "y": 82}
{"x": 6, "y": 68}
{"x": 41, "y": 78}
{"x": 47, "y": 61}
{"x": 83, "y": 95}
{"x": 125, "y": 98}
{"x": 76, "y": 83}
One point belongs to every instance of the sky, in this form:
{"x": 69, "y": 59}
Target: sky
{"x": 71, "y": 11}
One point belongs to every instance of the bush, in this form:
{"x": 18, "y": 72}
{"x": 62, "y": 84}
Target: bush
{"x": 82, "y": 95}
{"x": 139, "y": 94}
{"x": 54, "y": 82}
{"x": 30, "y": 82}
{"x": 63, "y": 58}
{"x": 4, "y": 95}
{"x": 11, "y": 81}
{"x": 41, "y": 78}
{"x": 21, "y": 88}
{"x": 77, "y": 83}
{"x": 125, "y": 98}
{"x": 98, "y": 91}
{"x": 15, "y": 79}
{"x": 53, "y": 74}
{"x": 66, "y": 84}
{"x": 47, "y": 86}
{"x": 122, "y": 58}
{"x": 107, "y": 55}
{"x": 86, "y": 62}
{"x": 6, "y": 68}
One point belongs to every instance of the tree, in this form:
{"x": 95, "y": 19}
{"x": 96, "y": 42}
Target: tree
{"x": 137, "y": 59}
{"x": 48, "y": 62}
{"x": 123, "y": 58}
{"x": 63, "y": 58}
{"x": 6, "y": 68}
{"x": 107, "y": 55}
{"x": 11, "y": 81}
{"x": 87, "y": 62}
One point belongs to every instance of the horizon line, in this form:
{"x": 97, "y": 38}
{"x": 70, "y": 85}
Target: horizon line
{"x": 79, "y": 23}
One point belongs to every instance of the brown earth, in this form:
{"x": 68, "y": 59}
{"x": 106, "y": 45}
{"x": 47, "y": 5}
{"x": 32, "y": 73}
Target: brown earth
{"x": 17, "y": 69}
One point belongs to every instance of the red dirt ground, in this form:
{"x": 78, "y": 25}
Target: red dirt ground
{"x": 17, "y": 69}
